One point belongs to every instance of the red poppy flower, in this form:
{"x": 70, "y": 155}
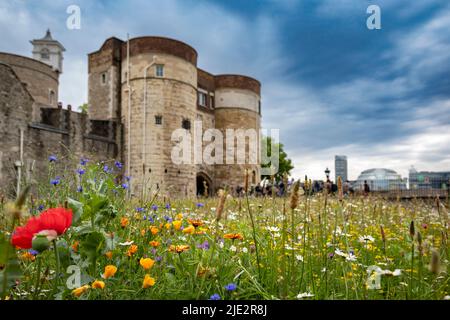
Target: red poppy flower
{"x": 51, "y": 222}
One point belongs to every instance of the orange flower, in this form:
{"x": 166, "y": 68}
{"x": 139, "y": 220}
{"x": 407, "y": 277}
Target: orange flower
{"x": 196, "y": 223}
{"x": 146, "y": 263}
{"x": 154, "y": 243}
{"x": 109, "y": 254}
{"x": 124, "y": 222}
{"x": 179, "y": 248}
{"x": 132, "y": 250}
{"x": 233, "y": 236}
{"x": 79, "y": 291}
{"x": 167, "y": 226}
{"x": 98, "y": 284}
{"x": 28, "y": 256}
{"x": 179, "y": 216}
{"x": 189, "y": 230}
{"x": 148, "y": 282}
{"x": 75, "y": 246}
{"x": 154, "y": 230}
{"x": 143, "y": 232}
{"x": 176, "y": 224}
{"x": 110, "y": 271}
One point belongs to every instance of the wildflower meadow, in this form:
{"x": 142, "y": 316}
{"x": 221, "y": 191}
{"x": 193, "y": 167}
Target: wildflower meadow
{"x": 80, "y": 235}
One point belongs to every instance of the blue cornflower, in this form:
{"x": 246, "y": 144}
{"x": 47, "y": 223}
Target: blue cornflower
{"x": 81, "y": 171}
{"x": 80, "y": 189}
{"x": 200, "y": 205}
{"x": 118, "y": 164}
{"x": 125, "y": 186}
{"x": 231, "y": 287}
{"x": 55, "y": 181}
{"x": 215, "y": 296}
{"x": 151, "y": 219}
{"x": 107, "y": 169}
{"x": 83, "y": 161}
{"x": 140, "y": 209}
{"x": 33, "y": 252}
{"x": 158, "y": 258}
{"x": 128, "y": 178}
{"x": 204, "y": 245}
{"x": 168, "y": 219}
{"x": 144, "y": 217}
{"x": 154, "y": 207}
{"x": 41, "y": 207}
{"x": 52, "y": 158}
{"x": 168, "y": 206}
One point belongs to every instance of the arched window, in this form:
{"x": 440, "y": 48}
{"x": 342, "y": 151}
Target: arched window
{"x": 45, "y": 54}
{"x": 51, "y": 97}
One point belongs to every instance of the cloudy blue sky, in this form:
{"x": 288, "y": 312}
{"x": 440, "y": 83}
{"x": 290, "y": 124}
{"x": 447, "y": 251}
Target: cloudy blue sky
{"x": 381, "y": 97}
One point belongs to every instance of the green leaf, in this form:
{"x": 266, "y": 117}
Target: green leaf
{"x": 77, "y": 209}
{"x": 92, "y": 246}
{"x": 8, "y": 258}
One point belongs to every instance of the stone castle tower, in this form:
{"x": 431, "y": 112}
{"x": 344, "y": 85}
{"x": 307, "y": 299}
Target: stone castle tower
{"x": 150, "y": 87}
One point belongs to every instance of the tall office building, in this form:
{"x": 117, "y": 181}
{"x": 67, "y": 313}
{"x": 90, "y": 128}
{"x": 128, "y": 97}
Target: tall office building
{"x": 340, "y": 168}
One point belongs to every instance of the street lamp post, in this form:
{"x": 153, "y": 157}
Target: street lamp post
{"x": 327, "y": 173}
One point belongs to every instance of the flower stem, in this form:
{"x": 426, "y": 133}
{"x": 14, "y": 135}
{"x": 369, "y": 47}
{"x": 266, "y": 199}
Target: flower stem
{"x": 38, "y": 278}
{"x": 57, "y": 263}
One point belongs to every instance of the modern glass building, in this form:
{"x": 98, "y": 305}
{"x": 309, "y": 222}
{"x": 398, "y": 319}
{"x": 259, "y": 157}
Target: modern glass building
{"x": 428, "y": 179}
{"x": 340, "y": 168}
{"x": 380, "y": 179}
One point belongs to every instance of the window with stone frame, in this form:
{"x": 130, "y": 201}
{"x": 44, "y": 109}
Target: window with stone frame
{"x": 159, "y": 70}
{"x": 202, "y": 99}
{"x": 45, "y": 54}
{"x": 158, "y": 120}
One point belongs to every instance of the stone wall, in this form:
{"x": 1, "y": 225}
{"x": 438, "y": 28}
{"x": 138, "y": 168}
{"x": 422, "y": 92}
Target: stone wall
{"x": 70, "y": 135}
{"x": 38, "y": 77}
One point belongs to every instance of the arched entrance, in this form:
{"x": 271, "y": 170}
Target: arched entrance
{"x": 204, "y": 185}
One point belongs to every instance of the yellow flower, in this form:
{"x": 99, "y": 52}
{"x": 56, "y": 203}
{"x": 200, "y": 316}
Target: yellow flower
{"x": 154, "y": 243}
{"x": 179, "y": 248}
{"x": 98, "y": 284}
{"x": 189, "y": 229}
{"x": 79, "y": 291}
{"x": 177, "y": 224}
{"x": 179, "y": 216}
{"x": 148, "y": 281}
{"x": 124, "y": 222}
{"x": 110, "y": 271}
{"x": 143, "y": 232}
{"x": 109, "y": 254}
{"x": 167, "y": 225}
{"x": 154, "y": 230}
{"x": 132, "y": 250}
{"x": 146, "y": 263}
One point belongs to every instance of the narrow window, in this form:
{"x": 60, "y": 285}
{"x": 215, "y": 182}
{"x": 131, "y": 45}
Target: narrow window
{"x": 160, "y": 70}
{"x": 51, "y": 97}
{"x": 211, "y": 104}
{"x": 259, "y": 107}
{"x": 103, "y": 76}
{"x": 202, "y": 99}
{"x": 186, "y": 124}
{"x": 158, "y": 120}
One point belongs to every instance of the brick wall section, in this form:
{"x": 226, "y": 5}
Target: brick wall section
{"x": 15, "y": 112}
{"x": 64, "y": 132}
{"x": 38, "y": 77}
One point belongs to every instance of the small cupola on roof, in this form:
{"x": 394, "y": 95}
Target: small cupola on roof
{"x": 49, "y": 51}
